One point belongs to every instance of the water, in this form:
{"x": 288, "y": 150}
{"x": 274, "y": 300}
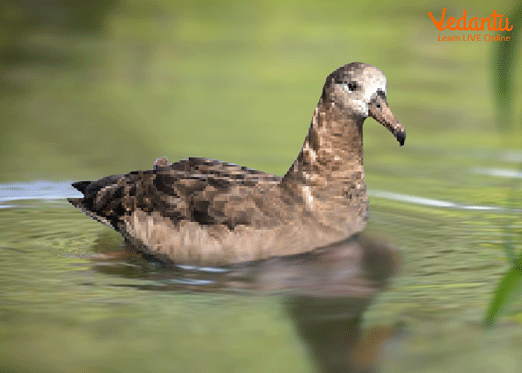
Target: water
{"x": 69, "y": 304}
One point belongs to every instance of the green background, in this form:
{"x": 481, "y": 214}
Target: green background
{"x": 94, "y": 88}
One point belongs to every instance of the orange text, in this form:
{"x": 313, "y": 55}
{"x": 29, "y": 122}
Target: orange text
{"x": 462, "y": 24}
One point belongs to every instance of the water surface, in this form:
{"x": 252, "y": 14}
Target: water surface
{"x": 67, "y": 307}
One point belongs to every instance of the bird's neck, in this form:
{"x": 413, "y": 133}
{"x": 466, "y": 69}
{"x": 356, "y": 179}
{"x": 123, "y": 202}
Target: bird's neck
{"x": 332, "y": 153}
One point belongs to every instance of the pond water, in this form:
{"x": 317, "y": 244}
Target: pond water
{"x": 416, "y": 304}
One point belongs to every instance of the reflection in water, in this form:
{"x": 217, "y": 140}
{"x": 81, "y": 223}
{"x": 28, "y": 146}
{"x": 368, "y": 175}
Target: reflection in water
{"x": 328, "y": 306}
{"x": 326, "y": 292}
{"x": 332, "y": 330}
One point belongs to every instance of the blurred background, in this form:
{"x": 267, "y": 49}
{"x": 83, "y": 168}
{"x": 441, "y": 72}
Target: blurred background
{"x": 92, "y": 88}
{"x": 107, "y": 86}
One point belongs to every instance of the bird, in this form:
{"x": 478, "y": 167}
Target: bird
{"x": 202, "y": 211}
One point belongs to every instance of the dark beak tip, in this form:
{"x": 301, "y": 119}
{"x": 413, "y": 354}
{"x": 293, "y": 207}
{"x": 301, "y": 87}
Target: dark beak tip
{"x": 401, "y": 138}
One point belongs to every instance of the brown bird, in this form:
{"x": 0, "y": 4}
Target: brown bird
{"x": 206, "y": 212}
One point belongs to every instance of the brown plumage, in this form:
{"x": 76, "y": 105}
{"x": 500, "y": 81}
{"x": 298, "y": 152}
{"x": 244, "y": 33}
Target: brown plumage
{"x": 203, "y": 211}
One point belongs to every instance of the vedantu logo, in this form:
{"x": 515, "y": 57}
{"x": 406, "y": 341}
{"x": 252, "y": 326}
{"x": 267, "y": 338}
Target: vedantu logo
{"x": 494, "y": 23}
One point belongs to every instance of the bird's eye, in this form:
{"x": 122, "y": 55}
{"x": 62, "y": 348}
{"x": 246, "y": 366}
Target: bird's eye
{"x": 352, "y": 86}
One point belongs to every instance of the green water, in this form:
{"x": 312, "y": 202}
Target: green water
{"x": 239, "y": 83}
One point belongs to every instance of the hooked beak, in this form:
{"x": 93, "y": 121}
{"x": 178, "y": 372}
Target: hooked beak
{"x": 380, "y": 111}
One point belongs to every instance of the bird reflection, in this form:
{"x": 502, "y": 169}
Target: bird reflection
{"x": 326, "y": 292}
{"x": 329, "y": 289}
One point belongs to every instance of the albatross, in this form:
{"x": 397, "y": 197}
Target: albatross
{"x": 201, "y": 211}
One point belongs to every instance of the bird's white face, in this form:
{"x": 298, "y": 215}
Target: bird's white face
{"x": 359, "y": 91}
{"x": 354, "y": 89}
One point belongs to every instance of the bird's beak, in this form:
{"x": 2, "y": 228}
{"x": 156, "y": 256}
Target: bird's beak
{"x": 380, "y": 111}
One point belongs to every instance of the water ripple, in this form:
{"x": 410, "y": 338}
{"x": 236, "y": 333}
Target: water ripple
{"x": 499, "y": 172}
{"x": 35, "y": 190}
{"x": 435, "y": 202}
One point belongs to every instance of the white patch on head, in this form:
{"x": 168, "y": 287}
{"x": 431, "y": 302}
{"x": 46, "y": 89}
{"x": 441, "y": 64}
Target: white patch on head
{"x": 370, "y": 80}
